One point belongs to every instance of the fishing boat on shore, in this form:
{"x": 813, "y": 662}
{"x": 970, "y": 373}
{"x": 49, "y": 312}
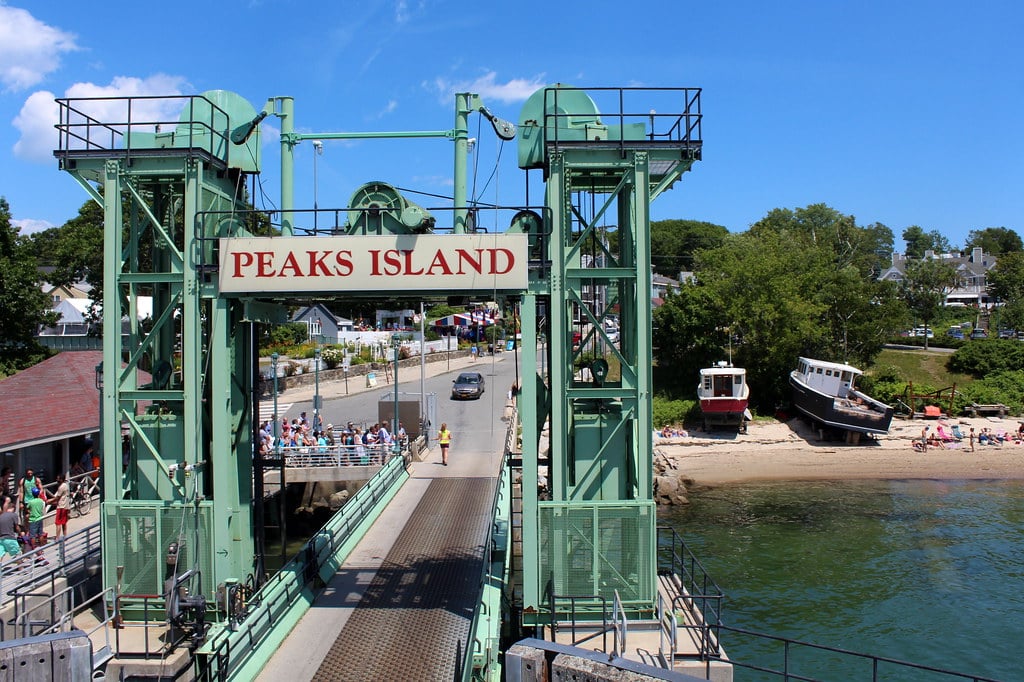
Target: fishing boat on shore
{"x": 826, "y": 392}
{"x": 723, "y": 395}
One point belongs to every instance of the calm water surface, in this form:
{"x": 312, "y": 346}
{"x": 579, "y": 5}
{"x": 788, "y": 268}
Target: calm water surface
{"x": 924, "y": 571}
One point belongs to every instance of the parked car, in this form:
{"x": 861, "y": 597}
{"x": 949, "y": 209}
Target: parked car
{"x": 956, "y": 333}
{"x": 924, "y": 332}
{"x": 1007, "y": 334}
{"x": 979, "y": 334}
{"x": 577, "y": 337}
{"x": 468, "y": 385}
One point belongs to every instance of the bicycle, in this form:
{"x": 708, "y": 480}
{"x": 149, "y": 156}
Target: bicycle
{"x": 81, "y": 499}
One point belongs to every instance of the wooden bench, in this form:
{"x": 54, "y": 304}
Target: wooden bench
{"x": 974, "y": 409}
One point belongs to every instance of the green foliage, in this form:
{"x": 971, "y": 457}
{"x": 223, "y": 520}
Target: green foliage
{"x": 289, "y": 334}
{"x": 799, "y": 282}
{"x": 984, "y": 357}
{"x": 1006, "y": 284}
{"x": 674, "y": 243}
{"x": 918, "y": 241}
{"x": 670, "y": 411}
{"x": 332, "y": 356}
{"x": 686, "y": 338}
{"x": 1006, "y": 387}
{"x": 24, "y": 307}
{"x": 925, "y": 286}
{"x": 995, "y": 240}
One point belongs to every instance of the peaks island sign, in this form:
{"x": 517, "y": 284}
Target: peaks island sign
{"x": 436, "y": 262}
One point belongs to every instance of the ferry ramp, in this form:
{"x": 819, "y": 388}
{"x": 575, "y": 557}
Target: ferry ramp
{"x": 402, "y": 603}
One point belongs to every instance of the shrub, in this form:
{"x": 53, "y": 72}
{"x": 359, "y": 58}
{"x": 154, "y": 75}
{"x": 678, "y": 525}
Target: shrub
{"x": 667, "y": 411}
{"x": 984, "y": 357}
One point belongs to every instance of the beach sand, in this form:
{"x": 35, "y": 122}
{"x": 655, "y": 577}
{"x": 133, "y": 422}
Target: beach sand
{"x": 791, "y": 451}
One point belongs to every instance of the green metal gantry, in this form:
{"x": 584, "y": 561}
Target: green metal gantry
{"x": 592, "y": 529}
{"x": 176, "y": 391}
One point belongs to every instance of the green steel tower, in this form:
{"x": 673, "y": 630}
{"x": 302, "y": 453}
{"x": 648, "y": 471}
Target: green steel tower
{"x": 590, "y": 528}
{"x": 177, "y": 392}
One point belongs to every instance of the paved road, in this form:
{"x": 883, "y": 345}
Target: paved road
{"x": 360, "y": 404}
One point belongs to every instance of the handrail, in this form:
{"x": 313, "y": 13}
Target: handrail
{"x": 621, "y": 625}
{"x": 876, "y": 661}
{"x": 699, "y": 595}
{"x": 668, "y": 630}
{"x": 313, "y": 456}
{"x": 228, "y": 648}
{"x": 472, "y": 640}
{"x": 49, "y": 562}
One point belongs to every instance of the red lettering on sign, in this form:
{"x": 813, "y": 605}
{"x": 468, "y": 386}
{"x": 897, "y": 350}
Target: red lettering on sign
{"x": 292, "y": 264}
{"x": 317, "y": 266}
{"x": 374, "y": 262}
{"x": 439, "y": 262}
{"x": 344, "y": 262}
{"x": 393, "y": 261}
{"x": 408, "y": 263}
{"x": 265, "y": 261}
{"x": 509, "y": 261}
{"x": 242, "y": 260}
{"x": 466, "y": 257}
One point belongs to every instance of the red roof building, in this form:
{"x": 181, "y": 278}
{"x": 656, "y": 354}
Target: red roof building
{"x": 47, "y": 411}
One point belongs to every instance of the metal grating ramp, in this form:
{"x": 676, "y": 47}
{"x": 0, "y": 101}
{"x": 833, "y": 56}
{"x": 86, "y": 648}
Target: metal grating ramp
{"x": 419, "y": 605}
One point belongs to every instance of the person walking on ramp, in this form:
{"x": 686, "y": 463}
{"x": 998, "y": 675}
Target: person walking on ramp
{"x": 444, "y": 439}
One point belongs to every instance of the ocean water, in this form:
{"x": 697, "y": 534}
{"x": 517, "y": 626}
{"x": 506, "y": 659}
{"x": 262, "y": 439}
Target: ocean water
{"x": 925, "y": 571}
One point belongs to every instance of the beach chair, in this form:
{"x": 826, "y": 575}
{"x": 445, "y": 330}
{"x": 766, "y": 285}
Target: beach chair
{"x": 943, "y": 434}
{"x": 956, "y": 432}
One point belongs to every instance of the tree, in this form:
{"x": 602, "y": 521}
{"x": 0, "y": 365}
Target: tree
{"x": 674, "y": 243}
{"x": 800, "y": 282}
{"x": 918, "y": 241}
{"x": 925, "y": 286}
{"x": 686, "y": 337}
{"x": 24, "y": 307}
{"x": 1006, "y": 284}
{"x": 995, "y": 240}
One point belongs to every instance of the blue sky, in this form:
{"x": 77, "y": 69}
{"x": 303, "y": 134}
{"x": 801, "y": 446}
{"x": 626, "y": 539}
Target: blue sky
{"x": 904, "y": 113}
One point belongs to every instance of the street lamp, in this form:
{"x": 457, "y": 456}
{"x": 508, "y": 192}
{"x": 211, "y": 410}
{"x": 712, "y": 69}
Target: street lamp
{"x": 318, "y": 149}
{"x": 277, "y": 421}
{"x": 316, "y": 393}
{"x": 396, "y": 341}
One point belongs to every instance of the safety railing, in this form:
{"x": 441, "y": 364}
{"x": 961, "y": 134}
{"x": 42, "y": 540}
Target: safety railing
{"x": 699, "y": 597}
{"x": 844, "y": 663}
{"x": 500, "y": 509}
{"x": 312, "y": 456}
{"x": 104, "y": 124}
{"x": 567, "y": 607}
{"x": 48, "y": 564}
{"x": 678, "y": 122}
{"x": 230, "y": 647}
{"x": 668, "y": 631}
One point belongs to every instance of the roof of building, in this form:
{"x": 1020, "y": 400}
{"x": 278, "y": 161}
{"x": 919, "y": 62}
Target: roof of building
{"x": 55, "y": 399}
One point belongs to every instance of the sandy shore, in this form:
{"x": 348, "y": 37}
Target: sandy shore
{"x": 790, "y": 451}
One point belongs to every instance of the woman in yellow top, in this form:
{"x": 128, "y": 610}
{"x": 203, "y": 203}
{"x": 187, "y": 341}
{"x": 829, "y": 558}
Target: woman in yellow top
{"x": 444, "y": 439}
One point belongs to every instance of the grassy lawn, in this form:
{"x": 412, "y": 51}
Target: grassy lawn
{"x": 922, "y": 367}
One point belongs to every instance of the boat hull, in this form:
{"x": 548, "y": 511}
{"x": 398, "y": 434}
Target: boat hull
{"x": 869, "y": 416}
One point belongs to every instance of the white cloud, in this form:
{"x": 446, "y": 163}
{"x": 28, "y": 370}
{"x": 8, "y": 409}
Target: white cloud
{"x": 40, "y": 114}
{"x": 30, "y": 225}
{"x": 401, "y": 12}
{"x": 388, "y": 108}
{"x": 29, "y": 49}
{"x": 515, "y": 90}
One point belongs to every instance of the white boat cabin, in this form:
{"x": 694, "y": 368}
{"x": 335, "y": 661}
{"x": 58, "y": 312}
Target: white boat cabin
{"x": 723, "y": 381}
{"x": 830, "y": 378}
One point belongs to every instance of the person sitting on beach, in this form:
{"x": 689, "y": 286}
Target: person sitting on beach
{"x": 936, "y": 442}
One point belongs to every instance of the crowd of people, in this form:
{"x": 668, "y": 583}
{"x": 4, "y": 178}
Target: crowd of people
{"x": 25, "y": 501}
{"x": 349, "y": 445}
